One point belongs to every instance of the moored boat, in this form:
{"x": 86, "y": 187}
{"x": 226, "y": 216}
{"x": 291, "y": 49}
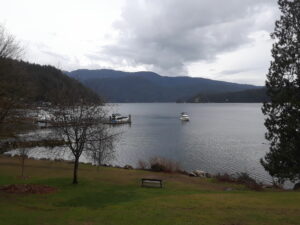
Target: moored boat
{"x": 117, "y": 118}
{"x": 184, "y": 117}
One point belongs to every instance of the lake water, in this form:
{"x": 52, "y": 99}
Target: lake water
{"x": 218, "y": 138}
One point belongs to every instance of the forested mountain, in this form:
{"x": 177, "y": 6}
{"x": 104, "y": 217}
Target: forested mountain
{"x": 118, "y": 86}
{"x": 36, "y": 83}
{"x": 252, "y": 95}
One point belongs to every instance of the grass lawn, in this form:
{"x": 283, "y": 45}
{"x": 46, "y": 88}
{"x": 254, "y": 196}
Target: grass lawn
{"x": 113, "y": 196}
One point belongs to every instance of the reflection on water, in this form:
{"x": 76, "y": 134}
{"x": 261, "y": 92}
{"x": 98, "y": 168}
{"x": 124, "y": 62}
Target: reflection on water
{"x": 219, "y": 137}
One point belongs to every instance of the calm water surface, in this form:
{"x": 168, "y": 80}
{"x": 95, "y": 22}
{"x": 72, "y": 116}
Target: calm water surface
{"x": 219, "y": 137}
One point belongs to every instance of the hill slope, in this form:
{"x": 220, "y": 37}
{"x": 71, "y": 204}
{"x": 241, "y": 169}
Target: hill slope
{"x": 36, "y": 83}
{"x": 118, "y": 86}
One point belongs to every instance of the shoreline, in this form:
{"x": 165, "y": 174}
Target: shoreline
{"x": 231, "y": 178}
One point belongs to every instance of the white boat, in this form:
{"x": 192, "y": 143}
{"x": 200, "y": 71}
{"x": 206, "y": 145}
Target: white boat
{"x": 118, "y": 119}
{"x": 44, "y": 116}
{"x": 184, "y": 117}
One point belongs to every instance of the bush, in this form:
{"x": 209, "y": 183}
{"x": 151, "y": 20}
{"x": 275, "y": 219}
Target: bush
{"x": 244, "y": 178}
{"x": 142, "y": 165}
{"x": 225, "y": 177}
{"x": 251, "y": 183}
{"x": 164, "y": 165}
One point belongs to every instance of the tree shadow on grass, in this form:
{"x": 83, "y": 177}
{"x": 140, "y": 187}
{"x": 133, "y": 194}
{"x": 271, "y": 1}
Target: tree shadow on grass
{"x": 100, "y": 199}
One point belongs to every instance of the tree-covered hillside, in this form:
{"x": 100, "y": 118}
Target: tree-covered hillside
{"x": 36, "y": 83}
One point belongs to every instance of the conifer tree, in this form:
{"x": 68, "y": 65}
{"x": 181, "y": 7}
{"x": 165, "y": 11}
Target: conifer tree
{"x": 283, "y": 88}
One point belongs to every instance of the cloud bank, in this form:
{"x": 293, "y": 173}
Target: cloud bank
{"x": 166, "y": 36}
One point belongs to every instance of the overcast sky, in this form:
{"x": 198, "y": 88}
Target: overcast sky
{"x": 224, "y": 40}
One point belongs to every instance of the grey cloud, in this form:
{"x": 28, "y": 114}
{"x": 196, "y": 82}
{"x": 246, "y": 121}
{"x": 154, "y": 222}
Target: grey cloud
{"x": 231, "y": 72}
{"x": 167, "y": 35}
{"x": 237, "y": 71}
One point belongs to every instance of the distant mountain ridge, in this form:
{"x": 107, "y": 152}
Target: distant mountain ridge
{"x": 118, "y": 86}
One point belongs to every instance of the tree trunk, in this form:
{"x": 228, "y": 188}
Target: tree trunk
{"x": 76, "y": 163}
{"x": 22, "y": 165}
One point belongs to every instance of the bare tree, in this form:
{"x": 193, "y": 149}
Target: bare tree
{"x": 6, "y": 105}
{"x": 23, "y": 153}
{"x": 80, "y": 124}
{"x": 10, "y": 115}
{"x": 101, "y": 148}
{"x": 9, "y": 47}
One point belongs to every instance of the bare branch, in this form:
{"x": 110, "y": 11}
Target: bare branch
{"x": 9, "y": 47}
{"x": 80, "y": 124}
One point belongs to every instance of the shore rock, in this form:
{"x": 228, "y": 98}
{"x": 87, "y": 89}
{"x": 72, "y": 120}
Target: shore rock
{"x": 199, "y": 173}
{"x": 192, "y": 174}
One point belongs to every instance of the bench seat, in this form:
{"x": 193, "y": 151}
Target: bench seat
{"x": 148, "y": 182}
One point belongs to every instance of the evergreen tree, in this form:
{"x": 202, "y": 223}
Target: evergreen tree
{"x": 283, "y": 88}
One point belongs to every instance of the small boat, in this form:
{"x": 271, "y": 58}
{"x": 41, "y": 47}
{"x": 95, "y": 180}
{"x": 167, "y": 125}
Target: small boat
{"x": 184, "y": 117}
{"x": 117, "y": 118}
{"x": 44, "y": 116}
{"x": 43, "y": 119}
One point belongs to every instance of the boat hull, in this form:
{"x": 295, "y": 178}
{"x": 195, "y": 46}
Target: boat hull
{"x": 184, "y": 119}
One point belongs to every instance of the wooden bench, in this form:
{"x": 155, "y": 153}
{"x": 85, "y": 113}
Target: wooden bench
{"x": 147, "y": 182}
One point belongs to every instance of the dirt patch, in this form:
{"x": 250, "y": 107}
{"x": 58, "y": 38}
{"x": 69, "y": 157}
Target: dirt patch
{"x": 28, "y": 189}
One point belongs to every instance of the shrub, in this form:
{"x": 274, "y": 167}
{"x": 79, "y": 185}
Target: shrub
{"x": 244, "y": 178}
{"x": 142, "y": 165}
{"x": 225, "y": 177}
{"x": 164, "y": 165}
{"x": 251, "y": 183}
{"x": 276, "y": 184}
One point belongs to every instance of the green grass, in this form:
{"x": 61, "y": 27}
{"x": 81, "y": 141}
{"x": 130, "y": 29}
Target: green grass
{"x": 114, "y": 197}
